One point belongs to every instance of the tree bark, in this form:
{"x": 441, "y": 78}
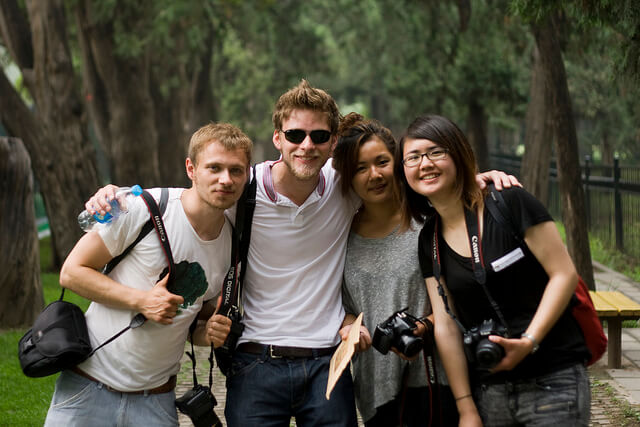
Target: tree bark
{"x": 477, "y": 133}
{"x": 573, "y": 204}
{"x": 54, "y": 133}
{"x": 538, "y": 137}
{"x": 20, "y": 289}
{"x": 133, "y": 147}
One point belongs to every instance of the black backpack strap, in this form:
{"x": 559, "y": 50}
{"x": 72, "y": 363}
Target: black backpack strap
{"x": 501, "y": 213}
{"x": 146, "y": 228}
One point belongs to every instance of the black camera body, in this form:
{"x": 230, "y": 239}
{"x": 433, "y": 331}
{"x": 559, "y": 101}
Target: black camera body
{"x": 479, "y": 350}
{"x": 198, "y": 404}
{"x": 237, "y": 327}
{"x": 225, "y": 351}
{"x": 397, "y": 331}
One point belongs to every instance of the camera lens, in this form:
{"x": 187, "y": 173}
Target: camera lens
{"x": 488, "y": 354}
{"x": 409, "y": 345}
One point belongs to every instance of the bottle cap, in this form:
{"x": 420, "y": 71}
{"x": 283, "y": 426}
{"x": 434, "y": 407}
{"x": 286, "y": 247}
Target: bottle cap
{"x": 136, "y": 190}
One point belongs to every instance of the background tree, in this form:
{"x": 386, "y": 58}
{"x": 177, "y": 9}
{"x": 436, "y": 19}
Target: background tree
{"x": 122, "y": 83}
{"x": 54, "y": 132}
{"x": 20, "y": 288}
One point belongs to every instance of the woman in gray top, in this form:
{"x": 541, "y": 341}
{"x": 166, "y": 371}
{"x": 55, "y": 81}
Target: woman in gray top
{"x": 381, "y": 276}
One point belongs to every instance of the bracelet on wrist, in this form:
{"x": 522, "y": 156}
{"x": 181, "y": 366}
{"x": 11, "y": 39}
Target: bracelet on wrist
{"x": 463, "y": 397}
{"x": 533, "y": 339}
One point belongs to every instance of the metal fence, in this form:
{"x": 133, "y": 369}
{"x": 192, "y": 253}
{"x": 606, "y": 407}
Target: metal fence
{"x": 612, "y": 198}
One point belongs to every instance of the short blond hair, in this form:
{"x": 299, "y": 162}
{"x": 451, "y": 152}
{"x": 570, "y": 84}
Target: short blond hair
{"x": 225, "y": 134}
{"x": 305, "y": 97}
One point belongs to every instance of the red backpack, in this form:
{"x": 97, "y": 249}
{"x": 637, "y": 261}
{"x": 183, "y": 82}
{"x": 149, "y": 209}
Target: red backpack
{"x": 583, "y": 309}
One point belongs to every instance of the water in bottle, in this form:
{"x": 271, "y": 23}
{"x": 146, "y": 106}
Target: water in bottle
{"x": 90, "y": 222}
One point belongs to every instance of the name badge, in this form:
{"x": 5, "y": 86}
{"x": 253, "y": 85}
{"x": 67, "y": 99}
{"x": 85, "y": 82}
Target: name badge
{"x": 508, "y": 259}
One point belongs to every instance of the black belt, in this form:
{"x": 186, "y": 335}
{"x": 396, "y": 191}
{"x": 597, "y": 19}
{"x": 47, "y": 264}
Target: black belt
{"x": 276, "y": 351}
{"x": 164, "y": 388}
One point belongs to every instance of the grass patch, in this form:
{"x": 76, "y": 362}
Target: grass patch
{"x": 25, "y": 400}
{"x": 615, "y": 260}
{"x": 610, "y": 257}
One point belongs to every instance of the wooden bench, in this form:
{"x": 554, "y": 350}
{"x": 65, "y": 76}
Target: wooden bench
{"x": 614, "y": 307}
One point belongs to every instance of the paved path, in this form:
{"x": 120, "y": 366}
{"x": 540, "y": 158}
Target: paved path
{"x": 625, "y": 382}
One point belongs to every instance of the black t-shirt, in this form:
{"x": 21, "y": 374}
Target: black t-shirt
{"x": 517, "y": 286}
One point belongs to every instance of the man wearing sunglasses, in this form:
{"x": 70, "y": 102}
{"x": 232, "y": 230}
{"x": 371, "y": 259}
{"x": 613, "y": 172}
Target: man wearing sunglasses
{"x": 292, "y": 289}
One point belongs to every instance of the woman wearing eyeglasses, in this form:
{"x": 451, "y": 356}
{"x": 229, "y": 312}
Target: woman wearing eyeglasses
{"x": 529, "y": 367}
{"x": 382, "y": 276}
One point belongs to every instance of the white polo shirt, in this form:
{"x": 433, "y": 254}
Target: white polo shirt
{"x": 292, "y": 288}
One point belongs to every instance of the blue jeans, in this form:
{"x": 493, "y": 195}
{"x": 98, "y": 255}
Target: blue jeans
{"x": 78, "y": 401}
{"x": 266, "y": 392}
{"x": 561, "y": 398}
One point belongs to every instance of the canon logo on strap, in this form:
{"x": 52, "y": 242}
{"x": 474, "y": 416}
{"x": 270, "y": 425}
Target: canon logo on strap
{"x": 160, "y": 228}
{"x": 475, "y": 250}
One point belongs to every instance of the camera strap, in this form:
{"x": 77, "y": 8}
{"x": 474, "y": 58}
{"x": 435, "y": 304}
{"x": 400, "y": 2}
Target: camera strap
{"x": 472, "y": 220}
{"x": 232, "y": 286}
{"x": 156, "y": 222}
{"x": 192, "y": 356}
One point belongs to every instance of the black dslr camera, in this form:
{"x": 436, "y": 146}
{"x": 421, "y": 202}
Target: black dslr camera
{"x": 198, "y": 404}
{"x": 479, "y": 350}
{"x": 225, "y": 351}
{"x": 237, "y": 327}
{"x": 397, "y": 331}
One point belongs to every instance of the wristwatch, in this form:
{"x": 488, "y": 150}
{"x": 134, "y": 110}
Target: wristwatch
{"x": 533, "y": 339}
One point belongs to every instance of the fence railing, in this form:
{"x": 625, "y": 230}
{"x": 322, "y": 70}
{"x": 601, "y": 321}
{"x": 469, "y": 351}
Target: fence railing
{"x": 612, "y": 199}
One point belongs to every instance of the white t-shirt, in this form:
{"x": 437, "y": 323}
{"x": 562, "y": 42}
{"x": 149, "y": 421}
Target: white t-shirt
{"x": 292, "y": 288}
{"x": 147, "y": 356}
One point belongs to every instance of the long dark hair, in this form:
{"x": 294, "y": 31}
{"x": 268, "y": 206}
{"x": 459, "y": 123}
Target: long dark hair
{"x": 446, "y": 134}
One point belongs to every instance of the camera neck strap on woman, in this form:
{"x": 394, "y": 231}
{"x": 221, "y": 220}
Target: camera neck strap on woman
{"x": 472, "y": 221}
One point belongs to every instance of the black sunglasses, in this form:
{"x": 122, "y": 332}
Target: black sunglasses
{"x": 296, "y": 136}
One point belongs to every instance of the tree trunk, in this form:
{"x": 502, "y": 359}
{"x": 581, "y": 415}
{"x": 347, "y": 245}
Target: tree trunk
{"x": 573, "y": 205}
{"x": 20, "y": 289}
{"x": 131, "y": 122}
{"x": 538, "y": 137}
{"x": 54, "y": 134}
{"x": 477, "y": 133}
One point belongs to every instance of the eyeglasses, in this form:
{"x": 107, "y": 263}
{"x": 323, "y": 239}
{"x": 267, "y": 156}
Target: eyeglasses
{"x": 296, "y": 136}
{"x": 413, "y": 160}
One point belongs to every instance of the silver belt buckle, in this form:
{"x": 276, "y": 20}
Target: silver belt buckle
{"x": 273, "y": 356}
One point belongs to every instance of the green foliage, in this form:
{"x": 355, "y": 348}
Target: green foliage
{"x": 610, "y": 257}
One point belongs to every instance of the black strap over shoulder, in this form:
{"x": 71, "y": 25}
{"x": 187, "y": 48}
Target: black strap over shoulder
{"x": 156, "y": 222}
{"x": 501, "y": 213}
{"x": 232, "y": 286}
{"x": 146, "y": 228}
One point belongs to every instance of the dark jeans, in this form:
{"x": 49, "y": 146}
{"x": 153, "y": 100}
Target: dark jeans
{"x": 416, "y": 409}
{"x": 561, "y": 398}
{"x": 266, "y": 392}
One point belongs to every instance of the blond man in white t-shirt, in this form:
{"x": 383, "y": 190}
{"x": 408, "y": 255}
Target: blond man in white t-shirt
{"x": 131, "y": 380}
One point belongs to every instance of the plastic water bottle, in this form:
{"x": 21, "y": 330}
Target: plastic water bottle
{"x": 89, "y": 222}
